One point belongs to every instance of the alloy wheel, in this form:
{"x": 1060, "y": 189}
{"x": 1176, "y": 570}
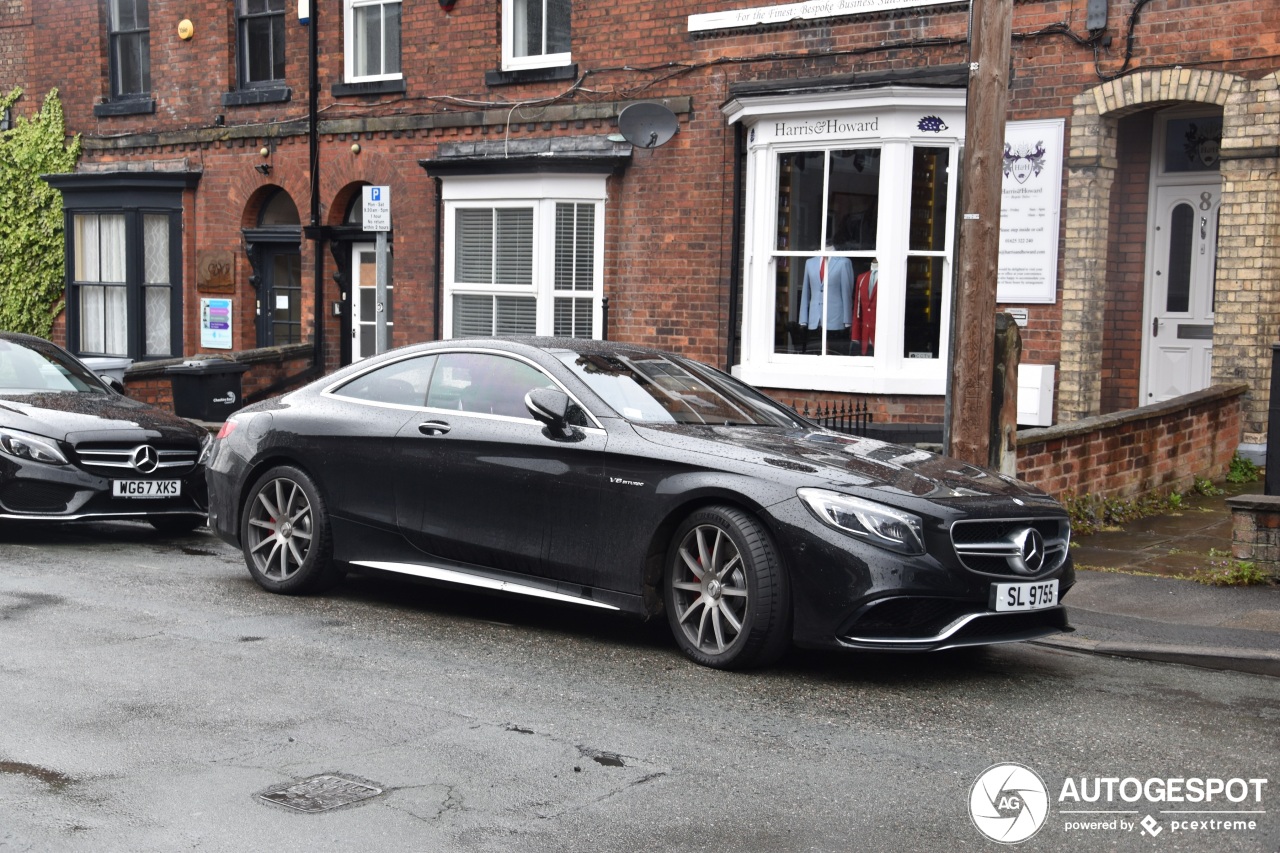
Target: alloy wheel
{"x": 280, "y": 529}
{"x": 710, "y": 589}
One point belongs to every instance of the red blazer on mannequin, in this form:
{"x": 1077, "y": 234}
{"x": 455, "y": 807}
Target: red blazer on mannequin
{"x": 862, "y": 328}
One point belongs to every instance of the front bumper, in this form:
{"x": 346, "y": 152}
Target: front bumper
{"x": 36, "y": 492}
{"x": 849, "y": 594}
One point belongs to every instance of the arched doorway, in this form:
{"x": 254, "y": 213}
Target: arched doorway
{"x": 274, "y": 248}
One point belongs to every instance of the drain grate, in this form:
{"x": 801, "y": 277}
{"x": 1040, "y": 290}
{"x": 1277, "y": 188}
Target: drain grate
{"x": 321, "y": 793}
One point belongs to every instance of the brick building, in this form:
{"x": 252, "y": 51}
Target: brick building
{"x": 1142, "y": 215}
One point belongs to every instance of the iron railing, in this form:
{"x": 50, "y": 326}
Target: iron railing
{"x": 846, "y": 417}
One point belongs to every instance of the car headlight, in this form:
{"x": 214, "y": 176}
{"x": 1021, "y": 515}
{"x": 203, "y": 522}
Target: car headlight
{"x": 875, "y": 523}
{"x": 206, "y": 448}
{"x": 33, "y": 448}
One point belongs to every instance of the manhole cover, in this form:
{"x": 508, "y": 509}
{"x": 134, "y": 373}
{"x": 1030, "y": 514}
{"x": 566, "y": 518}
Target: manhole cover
{"x": 320, "y": 793}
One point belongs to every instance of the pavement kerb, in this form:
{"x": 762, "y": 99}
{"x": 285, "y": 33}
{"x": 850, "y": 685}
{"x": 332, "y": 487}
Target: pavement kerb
{"x": 1255, "y": 661}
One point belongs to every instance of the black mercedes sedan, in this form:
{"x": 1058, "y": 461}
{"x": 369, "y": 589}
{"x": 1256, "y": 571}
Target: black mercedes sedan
{"x": 611, "y": 476}
{"x": 74, "y": 449}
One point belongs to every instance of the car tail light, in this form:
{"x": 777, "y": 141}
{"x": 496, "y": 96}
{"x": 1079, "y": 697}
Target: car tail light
{"x": 228, "y": 427}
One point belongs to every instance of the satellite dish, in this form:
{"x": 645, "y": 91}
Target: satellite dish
{"x": 647, "y": 125}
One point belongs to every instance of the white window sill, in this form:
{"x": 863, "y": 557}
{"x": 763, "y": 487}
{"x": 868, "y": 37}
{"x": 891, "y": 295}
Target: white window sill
{"x": 847, "y": 375}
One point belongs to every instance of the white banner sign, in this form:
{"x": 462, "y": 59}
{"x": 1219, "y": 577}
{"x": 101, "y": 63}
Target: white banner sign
{"x": 1031, "y": 201}
{"x": 801, "y": 11}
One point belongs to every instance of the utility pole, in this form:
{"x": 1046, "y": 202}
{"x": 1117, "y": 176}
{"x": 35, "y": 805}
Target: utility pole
{"x": 978, "y": 250}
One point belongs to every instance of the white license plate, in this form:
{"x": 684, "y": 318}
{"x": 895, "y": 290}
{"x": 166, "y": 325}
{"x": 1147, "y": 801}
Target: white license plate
{"x": 146, "y": 488}
{"x": 1024, "y": 596}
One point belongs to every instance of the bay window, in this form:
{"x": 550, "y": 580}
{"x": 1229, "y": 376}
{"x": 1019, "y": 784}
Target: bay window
{"x": 123, "y": 233}
{"x": 849, "y": 239}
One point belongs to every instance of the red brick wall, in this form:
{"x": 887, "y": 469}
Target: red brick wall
{"x": 668, "y": 256}
{"x": 1158, "y": 449}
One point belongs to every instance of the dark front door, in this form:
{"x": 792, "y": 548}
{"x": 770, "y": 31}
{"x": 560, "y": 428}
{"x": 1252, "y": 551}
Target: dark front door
{"x": 280, "y": 296}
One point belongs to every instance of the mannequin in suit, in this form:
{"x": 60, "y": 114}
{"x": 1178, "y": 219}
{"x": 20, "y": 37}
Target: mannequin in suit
{"x": 862, "y": 327}
{"x": 834, "y": 276}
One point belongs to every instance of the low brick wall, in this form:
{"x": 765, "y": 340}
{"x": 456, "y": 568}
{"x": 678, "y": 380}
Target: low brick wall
{"x": 1156, "y": 449}
{"x": 148, "y": 382}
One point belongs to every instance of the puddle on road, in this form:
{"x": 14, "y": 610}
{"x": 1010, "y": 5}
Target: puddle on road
{"x": 608, "y": 759}
{"x": 52, "y": 778}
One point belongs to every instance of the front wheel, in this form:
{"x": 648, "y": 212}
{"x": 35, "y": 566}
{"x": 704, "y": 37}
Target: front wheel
{"x": 284, "y": 533}
{"x": 727, "y": 596}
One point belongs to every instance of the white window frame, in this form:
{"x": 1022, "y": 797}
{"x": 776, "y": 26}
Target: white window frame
{"x": 541, "y": 193}
{"x": 352, "y": 45}
{"x": 510, "y": 28}
{"x": 897, "y": 112}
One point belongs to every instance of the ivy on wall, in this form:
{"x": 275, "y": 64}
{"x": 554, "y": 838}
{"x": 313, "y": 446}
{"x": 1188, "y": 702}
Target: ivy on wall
{"x": 32, "y": 254}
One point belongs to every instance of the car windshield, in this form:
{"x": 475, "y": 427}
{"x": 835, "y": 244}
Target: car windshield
{"x": 28, "y": 369}
{"x": 651, "y": 388}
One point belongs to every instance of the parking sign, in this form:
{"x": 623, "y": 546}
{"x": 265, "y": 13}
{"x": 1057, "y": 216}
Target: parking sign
{"x": 377, "y": 208}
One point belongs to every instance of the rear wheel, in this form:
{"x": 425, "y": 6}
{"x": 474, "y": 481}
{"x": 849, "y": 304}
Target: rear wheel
{"x": 727, "y": 596}
{"x": 285, "y": 535}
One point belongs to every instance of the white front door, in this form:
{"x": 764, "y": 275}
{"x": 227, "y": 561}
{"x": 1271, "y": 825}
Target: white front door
{"x": 364, "y": 297}
{"x": 1178, "y": 354}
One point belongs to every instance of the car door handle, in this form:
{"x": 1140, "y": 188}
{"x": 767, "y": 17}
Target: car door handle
{"x": 434, "y": 428}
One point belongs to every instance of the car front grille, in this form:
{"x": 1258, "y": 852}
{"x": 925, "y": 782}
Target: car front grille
{"x": 1007, "y": 546}
{"x": 113, "y": 458}
{"x": 34, "y": 496}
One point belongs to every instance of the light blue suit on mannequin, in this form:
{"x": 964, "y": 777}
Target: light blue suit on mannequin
{"x": 839, "y": 294}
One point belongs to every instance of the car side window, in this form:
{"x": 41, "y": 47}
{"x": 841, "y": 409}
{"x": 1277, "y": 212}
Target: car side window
{"x": 402, "y": 383}
{"x": 484, "y": 383}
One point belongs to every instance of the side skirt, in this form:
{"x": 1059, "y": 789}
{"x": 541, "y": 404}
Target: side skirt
{"x": 436, "y": 573}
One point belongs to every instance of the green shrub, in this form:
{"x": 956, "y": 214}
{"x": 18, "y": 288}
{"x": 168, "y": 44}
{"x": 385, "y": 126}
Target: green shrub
{"x": 31, "y": 241}
{"x": 1242, "y": 470}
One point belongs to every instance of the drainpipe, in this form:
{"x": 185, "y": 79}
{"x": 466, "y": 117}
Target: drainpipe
{"x": 439, "y": 280}
{"x": 313, "y": 143}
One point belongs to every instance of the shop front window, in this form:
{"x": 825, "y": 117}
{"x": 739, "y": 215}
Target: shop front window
{"x": 849, "y": 237}
{"x": 825, "y": 248}
{"x": 926, "y": 252}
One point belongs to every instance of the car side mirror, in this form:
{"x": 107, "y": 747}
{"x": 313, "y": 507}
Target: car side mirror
{"x": 112, "y": 383}
{"x": 550, "y": 406}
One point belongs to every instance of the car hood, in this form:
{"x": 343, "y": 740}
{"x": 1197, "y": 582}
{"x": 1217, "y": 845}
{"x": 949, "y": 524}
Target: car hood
{"x": 844, "y": 461}
{"x": 73, "y": 417}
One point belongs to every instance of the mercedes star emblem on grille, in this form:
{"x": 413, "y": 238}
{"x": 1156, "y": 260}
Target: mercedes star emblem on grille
{"x": 1030, "y": 550}
{"x": 146, "y": 459}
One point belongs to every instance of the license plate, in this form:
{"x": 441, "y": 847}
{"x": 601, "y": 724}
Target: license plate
{"x": 1024, "y": 596}
{"x": 146, "y": 488}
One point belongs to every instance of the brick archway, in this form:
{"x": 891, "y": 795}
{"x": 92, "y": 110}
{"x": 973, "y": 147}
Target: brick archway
{"x": 1250, "y": 206}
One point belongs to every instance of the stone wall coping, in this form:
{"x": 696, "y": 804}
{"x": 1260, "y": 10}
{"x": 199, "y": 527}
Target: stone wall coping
{"x": 261, "y": 355}
{"x": 1255, "y": 503}
{"x": 1098, "y": 423}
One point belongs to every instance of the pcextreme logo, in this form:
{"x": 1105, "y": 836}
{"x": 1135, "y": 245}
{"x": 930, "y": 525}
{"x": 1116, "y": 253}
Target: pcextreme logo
{"x": 1009, "y": 803}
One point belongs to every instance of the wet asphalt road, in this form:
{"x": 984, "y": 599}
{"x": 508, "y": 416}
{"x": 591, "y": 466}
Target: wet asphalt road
{"x": 150, "y": 692}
